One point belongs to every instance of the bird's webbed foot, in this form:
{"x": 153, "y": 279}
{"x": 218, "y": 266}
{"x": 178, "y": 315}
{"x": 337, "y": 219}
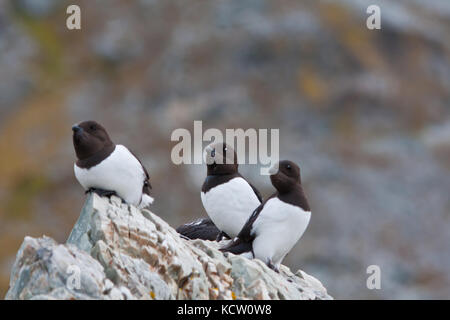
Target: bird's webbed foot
{"x": 272, "y": 266}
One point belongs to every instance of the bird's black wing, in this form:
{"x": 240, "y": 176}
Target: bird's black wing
{"x": 246, "y": 231}
{"x": 237, "y": 246}
{"x": 243, "y": 242}
{"x": 147, "y": 186}
{"x": 203, "y": 229}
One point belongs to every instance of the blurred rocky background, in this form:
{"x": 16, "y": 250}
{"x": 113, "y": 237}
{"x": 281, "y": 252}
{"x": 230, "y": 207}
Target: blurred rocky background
{"x": 365, "y": 113}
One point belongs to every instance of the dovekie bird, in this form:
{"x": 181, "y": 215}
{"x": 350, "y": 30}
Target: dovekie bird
{"x": 278, "y": 223}
{"x": 109, "y": 169}
{"x": 227, "y": 197}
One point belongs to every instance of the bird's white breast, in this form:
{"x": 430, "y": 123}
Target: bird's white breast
{"x": 120, "y": 172}
{"x": 230, "y": 204}
{"x": 277, "y": 229}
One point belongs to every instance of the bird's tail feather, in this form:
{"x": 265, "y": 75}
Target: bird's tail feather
{"x": 145, "y": 201}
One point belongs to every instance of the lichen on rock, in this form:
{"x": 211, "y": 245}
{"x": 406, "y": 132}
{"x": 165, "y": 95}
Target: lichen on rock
{"x": 116, "y": 251}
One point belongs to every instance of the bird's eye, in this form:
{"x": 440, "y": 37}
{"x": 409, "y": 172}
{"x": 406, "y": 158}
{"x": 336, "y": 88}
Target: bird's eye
{"x": 288, "y": 167}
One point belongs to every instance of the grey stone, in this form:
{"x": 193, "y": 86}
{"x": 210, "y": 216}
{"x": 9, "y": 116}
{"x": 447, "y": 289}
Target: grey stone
{"x": 119, "y": 252}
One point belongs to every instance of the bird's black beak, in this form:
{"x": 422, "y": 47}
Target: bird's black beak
{"x": 76, "y": 128}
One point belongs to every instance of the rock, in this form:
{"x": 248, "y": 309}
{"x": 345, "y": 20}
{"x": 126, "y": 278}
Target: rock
{"x": 116, "y": 251}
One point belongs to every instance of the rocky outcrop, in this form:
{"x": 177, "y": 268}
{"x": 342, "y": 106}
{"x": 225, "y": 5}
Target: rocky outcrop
{"x": 116, "y": 251}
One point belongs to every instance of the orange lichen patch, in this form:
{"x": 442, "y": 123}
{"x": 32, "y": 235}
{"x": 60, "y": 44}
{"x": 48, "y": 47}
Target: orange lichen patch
{"x": 311, "y": 85}
{"x": 213, "y": 293}
{"x": 233, "y": 295}
{"x": 152, "y": 294}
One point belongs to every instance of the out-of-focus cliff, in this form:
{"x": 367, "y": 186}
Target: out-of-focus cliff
{"x": 365, "y": 113}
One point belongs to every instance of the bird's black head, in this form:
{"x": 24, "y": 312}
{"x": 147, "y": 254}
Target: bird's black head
{"x": 89, "y": 138}
{"x": 287, "y": 176}
{"x": 221, "y": 159}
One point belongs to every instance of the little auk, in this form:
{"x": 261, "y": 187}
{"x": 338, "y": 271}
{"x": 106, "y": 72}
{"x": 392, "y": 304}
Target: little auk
{"x": 109, "y": 169}
{"x": 227, "y": 197}
{"x": 278, "y": 223}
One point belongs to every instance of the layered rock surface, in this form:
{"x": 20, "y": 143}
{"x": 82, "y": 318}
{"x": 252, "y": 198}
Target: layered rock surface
{"x": 116, "y": 251}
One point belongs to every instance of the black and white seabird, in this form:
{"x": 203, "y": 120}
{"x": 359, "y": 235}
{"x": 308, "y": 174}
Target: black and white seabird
{"x": 278, "y": 223}
{"x": 109, "y": 169}
{"x": 227, "y": 197}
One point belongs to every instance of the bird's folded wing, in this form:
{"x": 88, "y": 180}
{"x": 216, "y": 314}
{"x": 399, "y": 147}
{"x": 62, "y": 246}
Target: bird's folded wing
{"x": 237, "y": 246}
{"x": 147, "y": 186}
{"x": 203, "y": 229}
